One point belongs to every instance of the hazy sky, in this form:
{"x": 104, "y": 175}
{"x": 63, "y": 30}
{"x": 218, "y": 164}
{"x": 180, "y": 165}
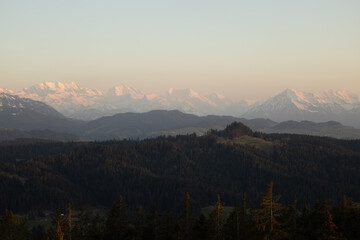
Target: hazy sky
{"x": 241, "y": 49}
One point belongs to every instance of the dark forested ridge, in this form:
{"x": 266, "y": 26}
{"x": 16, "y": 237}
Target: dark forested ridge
{"x": 154, "y": 174}
{"x": 161, "y": 170}
{"x": 268, "y": 220}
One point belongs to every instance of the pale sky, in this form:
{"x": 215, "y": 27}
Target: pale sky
{"x": 241, "y": 49}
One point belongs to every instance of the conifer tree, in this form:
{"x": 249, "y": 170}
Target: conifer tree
{"x": 96, "y": 229}
{"x": 327, "y": 230}
{"x": 166, "y": 226}
{"x": 80, "y": 227}
{"x": 347, "y": 218}
{"x": 217, "y": 220}
{"x": 238, "y": 224}
{"x": 266, "y": 217}
{"x": 319, "y": 225}
{"x": 58, "y": 219}
{"x": 69, "y": 219}
{"x": 117, "y": 224}
{"x": 7, "y": 226}
{"x": 187, "y": 218}
{"x": 139, "y": 223}
{"x": 59, "y": 235}
{"x": 12, "y": 227}
{"x": 304, "y": 229}
{"x": 290, "y": 220}
{"x": 151, "y": 231}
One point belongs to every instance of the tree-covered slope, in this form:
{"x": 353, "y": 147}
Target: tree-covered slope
{"x": 161, "y": 170}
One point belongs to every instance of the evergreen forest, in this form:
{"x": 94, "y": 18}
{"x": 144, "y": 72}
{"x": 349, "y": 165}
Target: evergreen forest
{"x": 223, "y": 185}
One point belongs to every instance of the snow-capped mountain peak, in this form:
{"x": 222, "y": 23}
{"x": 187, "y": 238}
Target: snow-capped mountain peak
{"x": 215, "y": 96}
{"x": 186, "y": 94}
{"x": 219, "y": 99}
{"x": 123, "y": 90}
{"x": 341, "y": 97}
{"x": 43, "y": 89}
{"x": 302, "y": 100}
{"x": 5, "y": 90}
{"x": 54, "y": 86}
{"x": 297, "y": 105}
{"x": 75, "y": 101}
{"x": 79, "y": 102}
{"x": 297, "y": 95}
{"x": 16, "y": 103}
{"x": 67, "y": 98}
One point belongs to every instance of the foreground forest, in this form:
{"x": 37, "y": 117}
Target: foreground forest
{"x": 48, "y": 175}
{"x": 268, "y": 220}
{"x": 40, "y": 176}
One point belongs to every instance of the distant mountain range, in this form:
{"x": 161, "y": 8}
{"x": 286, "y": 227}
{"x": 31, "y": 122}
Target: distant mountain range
{"x": 26, "y": 118}
{"x": 290, "y": 104}
{"x": 162, "y": 122}
{"x": 78, "y": 102}
{"x": 26, "y": 114}
{"x": 87, "y": 104}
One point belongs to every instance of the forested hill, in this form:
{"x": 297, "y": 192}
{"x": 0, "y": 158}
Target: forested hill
{"x": 162, "y": 170}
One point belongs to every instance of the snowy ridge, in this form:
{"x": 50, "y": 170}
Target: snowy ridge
{"x": 83, "y": 103}
{"x": 18, "y": 104}
{"x": 79, "y": 102}
{"x": 123, "y": 90}
{"x": 64, "y": 97}
{"x": 296, "y": 105}
{"x": 188, "y": 96}
{"x": 312, "y": 102}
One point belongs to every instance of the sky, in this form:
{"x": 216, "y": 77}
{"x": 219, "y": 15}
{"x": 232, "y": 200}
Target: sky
{"x": 241, "y": 49}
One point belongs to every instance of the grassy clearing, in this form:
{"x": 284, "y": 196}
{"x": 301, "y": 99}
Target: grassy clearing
{"x": 247, "y": 140}
{"x": 46, "y": 223}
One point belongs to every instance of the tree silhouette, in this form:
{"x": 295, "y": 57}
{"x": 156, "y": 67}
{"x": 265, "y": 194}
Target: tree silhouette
{"x": 217, "y": 220}
{"x": 117, "y": 224}
{"x": 187, "y": 218}
{"x": 266, "y": 216}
